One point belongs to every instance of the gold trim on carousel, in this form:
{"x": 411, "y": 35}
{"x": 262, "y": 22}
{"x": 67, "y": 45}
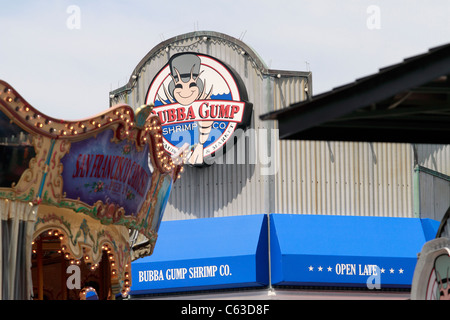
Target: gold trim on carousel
{"x": 119, "y": 262}
{"x": 120, "y": 118}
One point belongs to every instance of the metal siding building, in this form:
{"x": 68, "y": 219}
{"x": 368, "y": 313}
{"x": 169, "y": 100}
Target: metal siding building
{"x": 296, "y": 177}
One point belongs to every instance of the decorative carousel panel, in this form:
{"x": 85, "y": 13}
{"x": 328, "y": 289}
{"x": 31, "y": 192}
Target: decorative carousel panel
{"x": 16, "y": 151}
{"x": 93, "y": 181}
{"x": 84, "y": 240}
{"x": 115, "y": 173}
{"x": 112, "y": 166}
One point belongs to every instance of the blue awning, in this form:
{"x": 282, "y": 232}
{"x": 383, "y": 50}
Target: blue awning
{"x": 346, "y": 250}
{"x": 210, "y": 253}
{"x": 305, "y": 250}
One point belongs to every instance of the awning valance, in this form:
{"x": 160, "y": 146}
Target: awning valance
{"x": 347, "y": 250}
{"x": 305, "y": 250}
{"x": 211, "y": 253}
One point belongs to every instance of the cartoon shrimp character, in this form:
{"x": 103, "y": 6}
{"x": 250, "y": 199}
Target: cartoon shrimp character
{"x": 185, "y": 88}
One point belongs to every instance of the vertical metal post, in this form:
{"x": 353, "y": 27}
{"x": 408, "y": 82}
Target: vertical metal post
{"x": 416, "y": 191}
{"x": 63, "y": 277}
{"x": 416, "y": 183}
{"x": 271, "y": 291}
{"x": 40, "y": 270}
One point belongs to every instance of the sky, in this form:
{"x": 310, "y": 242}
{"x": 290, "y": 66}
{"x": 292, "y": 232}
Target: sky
{"x": 65, "y": 56}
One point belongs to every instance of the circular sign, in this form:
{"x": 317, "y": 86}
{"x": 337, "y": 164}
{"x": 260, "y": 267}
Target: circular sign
{"x": 200, "y": 102}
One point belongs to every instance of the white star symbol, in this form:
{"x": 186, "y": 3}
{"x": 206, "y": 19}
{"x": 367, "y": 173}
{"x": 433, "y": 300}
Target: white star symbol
{"x": 311, "y": 268}
{"x": 382, "y": 270}
{"x": 391, "y": 270}
{"x": 320, "y": 268}
{"x": 329, "y": 269}
{"x": 401, "y": 270}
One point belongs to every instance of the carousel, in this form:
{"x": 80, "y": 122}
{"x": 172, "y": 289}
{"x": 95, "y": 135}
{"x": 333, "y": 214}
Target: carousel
{"x": 79, "y": 200}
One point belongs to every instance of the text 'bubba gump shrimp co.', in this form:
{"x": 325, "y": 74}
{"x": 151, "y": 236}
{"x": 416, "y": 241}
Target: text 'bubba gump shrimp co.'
{"x": 200, "y": 102}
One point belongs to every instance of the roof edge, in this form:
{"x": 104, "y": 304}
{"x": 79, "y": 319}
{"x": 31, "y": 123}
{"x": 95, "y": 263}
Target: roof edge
{"x": 209, "y": 34}
{"x": 417, "y": 62}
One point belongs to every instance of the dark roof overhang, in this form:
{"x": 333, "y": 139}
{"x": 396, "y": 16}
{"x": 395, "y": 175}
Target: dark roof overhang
{"x": 407, "y": 102}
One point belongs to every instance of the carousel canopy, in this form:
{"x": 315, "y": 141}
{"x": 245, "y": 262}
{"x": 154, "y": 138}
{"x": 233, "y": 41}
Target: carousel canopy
{"x": 97, "y": 180}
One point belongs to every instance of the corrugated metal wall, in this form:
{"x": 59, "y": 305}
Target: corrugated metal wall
{"x": 345, "y": 178}
{"x": 434, "y": 195}
{"x": 433, "y": 171}
{"x": 309, "y": 177}
{"x": 435, "y": 157}
{"x": 342, "y": 178}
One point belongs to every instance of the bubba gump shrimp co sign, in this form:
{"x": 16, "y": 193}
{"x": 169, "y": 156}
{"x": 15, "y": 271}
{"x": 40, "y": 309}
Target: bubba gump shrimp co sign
{"x": 200, "y": 102}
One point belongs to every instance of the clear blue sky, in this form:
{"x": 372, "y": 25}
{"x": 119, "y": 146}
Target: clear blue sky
{"x": 68, "y": 73}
